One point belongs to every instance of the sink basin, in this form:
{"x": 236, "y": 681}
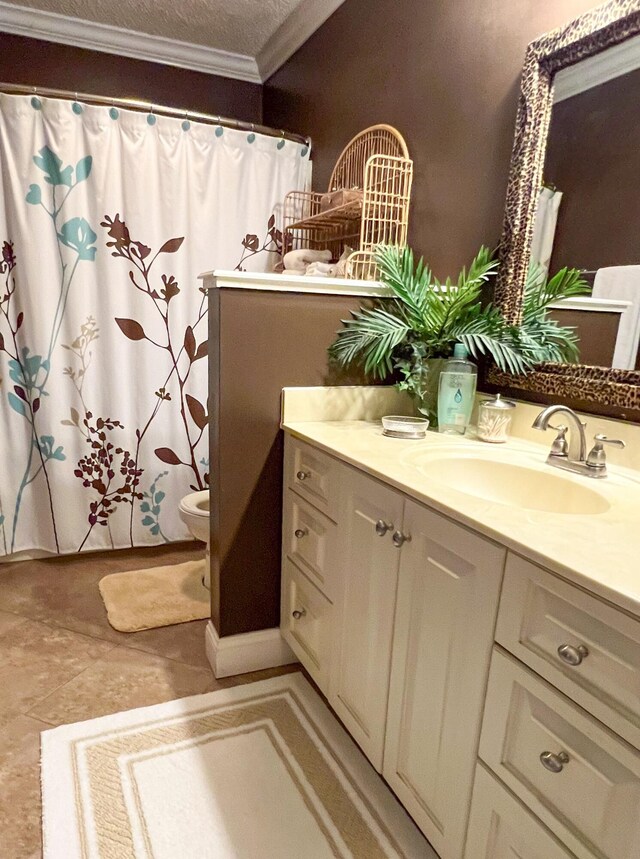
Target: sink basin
{"x": 513, "y": 483}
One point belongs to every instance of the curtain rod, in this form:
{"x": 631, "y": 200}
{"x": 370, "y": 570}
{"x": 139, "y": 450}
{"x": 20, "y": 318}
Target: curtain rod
{"x": 158, "y": 109}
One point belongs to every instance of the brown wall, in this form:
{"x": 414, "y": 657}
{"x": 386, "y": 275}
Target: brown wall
{"x": 265, "y": 341}
{"x": 596, "y": 333}
{"x": 45, "y": 64}
{"x": 593, "y": 157}
{"x": 446, "y": 73}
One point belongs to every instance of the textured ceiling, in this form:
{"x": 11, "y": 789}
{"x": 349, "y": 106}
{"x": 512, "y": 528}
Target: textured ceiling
{"x": 239, "y": 26}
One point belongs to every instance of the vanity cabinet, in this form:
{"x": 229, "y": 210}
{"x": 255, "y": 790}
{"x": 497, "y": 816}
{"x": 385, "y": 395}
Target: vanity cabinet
{"x": 391, "y": 607}
{"x": 500, "y": 701}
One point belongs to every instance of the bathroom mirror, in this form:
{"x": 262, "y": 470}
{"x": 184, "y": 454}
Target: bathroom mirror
{"x": 573, "y": 200}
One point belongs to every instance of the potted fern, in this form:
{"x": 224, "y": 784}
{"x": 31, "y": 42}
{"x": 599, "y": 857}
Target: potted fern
{"x": 412, "y": 334}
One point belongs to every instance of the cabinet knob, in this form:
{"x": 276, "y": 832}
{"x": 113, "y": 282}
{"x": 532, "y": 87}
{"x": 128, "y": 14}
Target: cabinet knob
{"x": 554, "y": 762}
{"x": 303, "y": 475}
{"x": 300, "y": 532}
{"x": 298, "y": 613}
{"x": 399, "y": 539}
{"x": 382, "y": 527}
{"x": 572, "y": 655}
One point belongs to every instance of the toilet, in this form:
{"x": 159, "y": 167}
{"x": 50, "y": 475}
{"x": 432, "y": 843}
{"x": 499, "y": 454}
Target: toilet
{"x": 194, "y": 512}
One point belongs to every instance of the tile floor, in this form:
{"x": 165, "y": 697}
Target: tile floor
{"x": 61, "y": 662}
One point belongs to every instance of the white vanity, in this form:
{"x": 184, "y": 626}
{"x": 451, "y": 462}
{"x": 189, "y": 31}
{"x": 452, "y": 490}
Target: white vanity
{"x": 483, "y": 652}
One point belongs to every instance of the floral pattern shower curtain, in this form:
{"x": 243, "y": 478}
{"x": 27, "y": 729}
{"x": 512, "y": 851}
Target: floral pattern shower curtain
{"x": 106, "y": 218}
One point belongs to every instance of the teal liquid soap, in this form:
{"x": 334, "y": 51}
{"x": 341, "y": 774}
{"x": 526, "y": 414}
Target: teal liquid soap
{"x": 456, "y": 392}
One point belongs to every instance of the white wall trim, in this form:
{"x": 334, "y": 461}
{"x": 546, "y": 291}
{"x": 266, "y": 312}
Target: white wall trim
{"x": 588, "y": 302}
{"x": 115, "y": 40}
{"x": 591, "y": 72}
{"x": 249, "y": 651}
{"x": 272, "y": 282}
{"x": 305, "y": 19}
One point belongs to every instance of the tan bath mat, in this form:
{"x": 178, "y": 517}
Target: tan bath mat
{"x": 160, "y": 596}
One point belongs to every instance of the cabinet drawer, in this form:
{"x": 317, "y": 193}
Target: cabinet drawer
{"x": 542, "y": 617}
{"x": 588, "y": 793}
{"x": 500, "y": 827}
{"x": 313, "y": 475}
{"x": 309, "y": 632}
{"x": 309, "y": 539}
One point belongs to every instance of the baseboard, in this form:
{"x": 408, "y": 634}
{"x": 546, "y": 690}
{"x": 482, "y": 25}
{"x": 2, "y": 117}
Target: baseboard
{"x": 249, "y": 651}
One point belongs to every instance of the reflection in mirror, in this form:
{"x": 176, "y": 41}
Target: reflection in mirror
{"x": 588, "y": 213}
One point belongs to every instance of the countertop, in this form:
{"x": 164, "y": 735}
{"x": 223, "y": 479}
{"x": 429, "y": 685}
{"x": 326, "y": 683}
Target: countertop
{"x": 599, "y": 552}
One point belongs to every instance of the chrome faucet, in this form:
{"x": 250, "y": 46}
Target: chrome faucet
{"x": 572, "y": 455}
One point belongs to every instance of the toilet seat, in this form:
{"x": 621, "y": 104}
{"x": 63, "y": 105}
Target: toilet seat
{"x": 194, "y": 512}
{"x": 196, "y": 504}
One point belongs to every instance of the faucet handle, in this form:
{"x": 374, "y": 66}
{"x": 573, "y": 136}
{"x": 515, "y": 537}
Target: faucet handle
{"x": 597, "y": 457}
{"x": 601, "y": 439}
{"x": 560, "y": 445}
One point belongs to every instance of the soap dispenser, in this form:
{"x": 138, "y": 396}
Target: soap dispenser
{"x": 456, "y": 392}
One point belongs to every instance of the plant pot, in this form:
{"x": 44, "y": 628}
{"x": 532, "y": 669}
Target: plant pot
{"x": 426, "y": 397}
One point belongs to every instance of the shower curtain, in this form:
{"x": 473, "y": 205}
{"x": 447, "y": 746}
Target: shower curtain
{"x": 107, "y": 217}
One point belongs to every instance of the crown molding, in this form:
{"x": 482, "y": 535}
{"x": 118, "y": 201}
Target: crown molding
{"x": 591, "y": 72}
{"x": 115, "y": 40}
{"x": 302, "y": 23}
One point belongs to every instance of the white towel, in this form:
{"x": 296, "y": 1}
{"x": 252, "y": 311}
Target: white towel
{"x": 622, "y": 283}
{"x": 321, "y": 269}
{"x": 304, "y": 256}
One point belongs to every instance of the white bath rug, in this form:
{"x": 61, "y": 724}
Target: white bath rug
{"x": 261, "y": 771}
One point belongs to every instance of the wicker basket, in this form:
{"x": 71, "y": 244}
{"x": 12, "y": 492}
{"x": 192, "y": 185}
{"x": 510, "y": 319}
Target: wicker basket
{"x": 377, "y": 164}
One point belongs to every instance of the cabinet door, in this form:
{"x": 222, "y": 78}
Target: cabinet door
{"x": 448, "y": 595}
{"x": 365, "y": 605}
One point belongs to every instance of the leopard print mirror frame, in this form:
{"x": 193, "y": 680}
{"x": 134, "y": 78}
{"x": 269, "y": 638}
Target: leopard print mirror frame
{"x": 596, "y": 389}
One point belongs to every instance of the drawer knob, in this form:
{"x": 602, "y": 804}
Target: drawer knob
{"x": 303, "y": 475}
{"x": 572, "y": 655}
{"x": 554, "y": 763}
{"x": 399, "y": 539}
{"x": 300, "y": 532}
{"x": 298, "y": 613}
{"x": 382, "y": 527}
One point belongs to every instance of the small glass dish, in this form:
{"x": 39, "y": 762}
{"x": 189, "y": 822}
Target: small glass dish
{"x": 402, "y": 426}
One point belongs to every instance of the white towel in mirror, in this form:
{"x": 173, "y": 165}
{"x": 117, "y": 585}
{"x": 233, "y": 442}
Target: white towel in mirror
{"x": 622, "y": 283}
{"x": 544, "y": 226}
